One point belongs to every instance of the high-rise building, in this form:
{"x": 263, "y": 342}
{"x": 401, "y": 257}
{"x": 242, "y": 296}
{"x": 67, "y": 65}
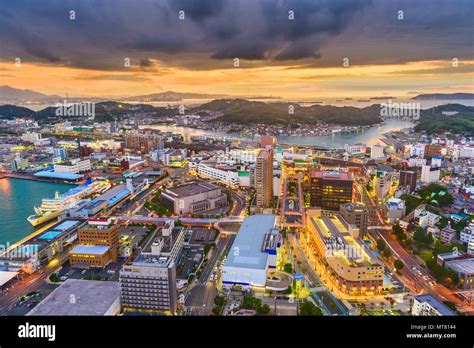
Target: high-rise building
{"x": 356, "y": 214}
{"x": 264, "y": 178}
{"x": 408, "y": 179}
{"x": 330, "y": 189}
{"x": 98, "y": 244}
{"x": 143, "y": 141}
{"x": 148, "y": 285}
{"x": 382, "y": 184}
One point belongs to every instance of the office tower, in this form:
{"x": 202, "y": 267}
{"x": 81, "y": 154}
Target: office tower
{"x": 148, "y": 284}
{"x": 264, "y": 178}
{"x": 408, "y": 179}
{"x": 330, "y": 189}
{"x": 356, "y": 214}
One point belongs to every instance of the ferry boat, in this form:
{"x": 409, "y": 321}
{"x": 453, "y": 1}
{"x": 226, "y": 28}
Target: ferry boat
{"x": 53, "y": 207}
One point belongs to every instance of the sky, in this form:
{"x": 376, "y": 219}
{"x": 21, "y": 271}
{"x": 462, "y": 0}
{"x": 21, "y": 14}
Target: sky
{"x": 294, "y": 49}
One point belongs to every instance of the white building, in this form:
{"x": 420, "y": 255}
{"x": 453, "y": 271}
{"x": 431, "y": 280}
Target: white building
{"x": 169, "y": 241}
{"x": 467, "y": 234}
{"x": 226, "y": 177}
{"x": 416, "y": 162}
{"x": 377, "y": 152}
{"x": 35, "y": 138}
{"x": 429, "y": 174}
{"x": 470, "y": 247}
{"x": 74, "y": 166}
{"x": 417, "y": 150}
{"x": 428, "y": 305}
{"x": 254, "y": 252}
{"x": 395, "y": 209}
{"x": 355, "y": 148}
{"x": 382, "y": 185}
{"x": 425, "y": 218}
{"x": 243, "y": 155}
{"x": 436, "y": 161}
{"x": 466, "y": 152}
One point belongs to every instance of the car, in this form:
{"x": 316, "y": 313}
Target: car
{"x": 84, "y": 271}
{"x": 63, "y": 278}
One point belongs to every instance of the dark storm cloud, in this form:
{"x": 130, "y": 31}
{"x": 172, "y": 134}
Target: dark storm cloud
{"x": 216, "y": 31}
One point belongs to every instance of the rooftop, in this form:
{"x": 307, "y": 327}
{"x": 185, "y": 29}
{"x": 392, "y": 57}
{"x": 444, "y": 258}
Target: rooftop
{"x": 394, "y": 203}
{"x": 89, "y": 249}
{"x": 440, "y": 307}
{"x": 152, "y": 260}
{"x": 246, "y": 251}
{"x": 462, "y": 266}
{"x": 331, "y": 175}
{"x": 92, "y": 297}
{"x": 334, "y": 231}
{"x": 57, "y": 175}
{"x": 191, "y": 188}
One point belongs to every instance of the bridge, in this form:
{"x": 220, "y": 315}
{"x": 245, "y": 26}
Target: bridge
{"x": 185, "y": 221}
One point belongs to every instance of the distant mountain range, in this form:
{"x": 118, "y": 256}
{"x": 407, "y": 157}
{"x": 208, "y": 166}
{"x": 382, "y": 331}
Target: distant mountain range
{"x": 178, "y": 96}
{"x": 444, "y": 96}
{"x": 10, "y": 94}
{"x": 14, "y": 95}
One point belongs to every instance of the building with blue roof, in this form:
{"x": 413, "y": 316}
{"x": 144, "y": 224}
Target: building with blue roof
{"x": 254, "y": 252}
{"x": 59, "y": 176}
{"x": 428, "y": 305}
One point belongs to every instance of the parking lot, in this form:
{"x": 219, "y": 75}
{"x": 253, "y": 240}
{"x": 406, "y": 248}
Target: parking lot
{"x": 111, "y": 272}
{"x": 202, "y": 236}
{"x": 133, "y": 234}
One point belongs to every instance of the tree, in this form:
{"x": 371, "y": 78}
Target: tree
{"x": 54, "y": 278}
{"x": 216, "y": 310}
{"x": 289, "y": 290}
{"x": 308, "y": 308}
{"x": 397, "y": 229}
{"x": 398, "y": 264}
{"x": 263, "y": 309}
{"x": 250, "y": 302}
{"x": 219, "y": 300}
{"x": 423, "y": 237}
{"x": 411, "y": 202}
{"x": 380, "y": 245}
{"x": 288, "y": 268}
{"x": 387, "y": 253}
